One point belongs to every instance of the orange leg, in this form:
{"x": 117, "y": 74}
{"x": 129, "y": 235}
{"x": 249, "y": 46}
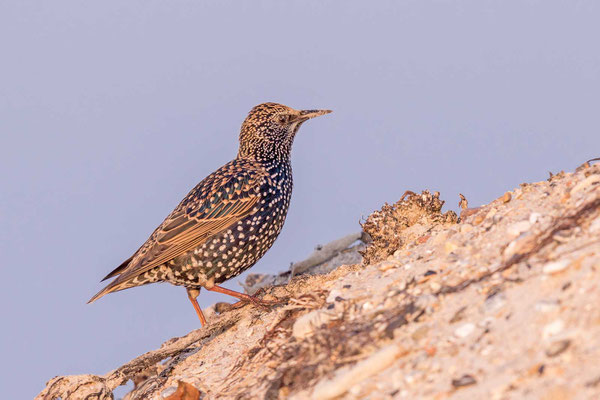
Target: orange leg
{"x": 192, "y": 295}
{"x": 245, "y": 298}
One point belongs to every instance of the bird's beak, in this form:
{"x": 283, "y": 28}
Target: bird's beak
{"x": 308, "y": 114}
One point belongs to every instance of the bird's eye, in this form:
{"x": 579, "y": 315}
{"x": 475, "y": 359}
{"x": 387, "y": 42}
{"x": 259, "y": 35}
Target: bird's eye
{"x": 284, "y": 118}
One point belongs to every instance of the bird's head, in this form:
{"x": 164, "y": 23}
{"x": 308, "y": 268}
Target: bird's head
{"x": 269, "y": 130}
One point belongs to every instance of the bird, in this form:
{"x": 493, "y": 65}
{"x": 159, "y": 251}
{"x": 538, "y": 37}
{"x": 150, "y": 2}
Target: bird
{"x": 229, "y": 220}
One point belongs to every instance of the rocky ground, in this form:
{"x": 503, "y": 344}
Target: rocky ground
{"x": 501, "y": 303}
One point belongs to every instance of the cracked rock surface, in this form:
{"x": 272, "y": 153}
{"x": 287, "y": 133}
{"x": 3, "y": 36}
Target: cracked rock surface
{"x": 503, "y": 304}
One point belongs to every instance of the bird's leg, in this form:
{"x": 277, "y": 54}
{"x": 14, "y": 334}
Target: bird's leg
{"x": 192, "y": 295}
{"x": 244, "y": 298}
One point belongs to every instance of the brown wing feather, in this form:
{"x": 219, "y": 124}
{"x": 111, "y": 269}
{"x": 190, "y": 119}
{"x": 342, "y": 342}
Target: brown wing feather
{"x": 182, "y": 238}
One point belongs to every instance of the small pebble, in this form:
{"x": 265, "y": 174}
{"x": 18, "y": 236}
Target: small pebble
{"x": 507, "y": 197}
{"x": 450, "y": 247}
{"x": 464, "y": 330}
{"x": 491, "y": 213}
{"x": 466, "y": 228}
{"x": 562, "y": 236}
{"x": 465, "y": 380}
{"x": 534, "y": 217}
{"x": 521, "y": 245}
{"x": 546, "y": 306}
{"x": 555, "y": 266}
{"x": 458, "y": 315}
{"x": 518, "y": 227}
{"x": 387, "y": 265}
{"x": 558, "y": 347}
{"x": 553, "y": 328}
{"x": 411, "y": 377}
{"x": 487, "y": 350}
{"x": 420, "y": 333}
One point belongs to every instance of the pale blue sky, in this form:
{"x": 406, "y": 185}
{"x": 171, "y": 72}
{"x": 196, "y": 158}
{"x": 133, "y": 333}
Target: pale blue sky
{"x": 110, "y": 111}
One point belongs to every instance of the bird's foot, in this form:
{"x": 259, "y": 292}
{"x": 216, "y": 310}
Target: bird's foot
{"x": 266, "y": 304}
{"x": 257, "y": 301}
{"x": 246, "y": 298}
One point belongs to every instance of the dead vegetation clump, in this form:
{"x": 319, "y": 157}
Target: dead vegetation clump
{"x": 387, "y": 227}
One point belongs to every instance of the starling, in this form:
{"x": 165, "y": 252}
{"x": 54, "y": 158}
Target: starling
{"x": 229, "y": 220}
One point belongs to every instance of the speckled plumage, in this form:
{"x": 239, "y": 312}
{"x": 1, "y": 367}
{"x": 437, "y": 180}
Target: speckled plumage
{"x": 230, "y": 219}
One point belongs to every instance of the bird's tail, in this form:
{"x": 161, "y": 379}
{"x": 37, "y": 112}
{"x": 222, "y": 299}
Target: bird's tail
{"x": 114, "y": 286}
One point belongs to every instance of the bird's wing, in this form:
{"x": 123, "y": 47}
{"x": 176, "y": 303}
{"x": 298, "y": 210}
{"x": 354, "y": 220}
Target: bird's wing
{"x": 214, "y": 204}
